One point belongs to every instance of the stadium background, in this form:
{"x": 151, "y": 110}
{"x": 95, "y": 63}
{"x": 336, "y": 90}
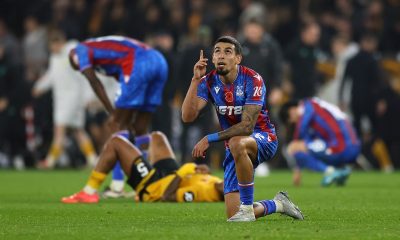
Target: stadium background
{"x": 180, "y": 28}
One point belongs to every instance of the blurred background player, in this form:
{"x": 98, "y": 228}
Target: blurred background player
{"x": 159, "y": 179}
{"x": 70, "y": 95}
{"x": 238, "y": 94}
{"x": 141, "y": 72}
{"x": 323, "y": 140}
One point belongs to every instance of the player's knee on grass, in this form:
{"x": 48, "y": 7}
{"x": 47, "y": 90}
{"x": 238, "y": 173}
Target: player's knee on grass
{"x": 296, "y": 146}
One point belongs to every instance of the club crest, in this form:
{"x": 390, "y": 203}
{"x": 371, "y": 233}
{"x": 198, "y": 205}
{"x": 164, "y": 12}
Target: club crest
{"x": 239, "y": 91}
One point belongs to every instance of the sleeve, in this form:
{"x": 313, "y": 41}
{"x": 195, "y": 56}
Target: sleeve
{"x": 255, "y": 90}
{"x": 187, "y": 194}
{"x": 85, "y": 59}
{"x": 303, "y": 124}
{"x": 202, "y": 89}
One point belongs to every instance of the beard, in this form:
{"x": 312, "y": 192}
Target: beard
{"x": 222, "y": 72}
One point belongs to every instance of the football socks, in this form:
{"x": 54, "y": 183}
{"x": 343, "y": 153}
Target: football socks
{"x": 246, "y": 191}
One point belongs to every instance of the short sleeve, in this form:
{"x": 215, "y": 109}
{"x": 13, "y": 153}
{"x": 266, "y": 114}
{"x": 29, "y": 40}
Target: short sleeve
{"x": 255, "y": 90}
{"x": 83, "y": 54}
{"x": 202, "y": 89}
{"x": 187, "y": 194}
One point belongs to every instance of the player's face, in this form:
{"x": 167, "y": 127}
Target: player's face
{"x": 225, "y": 58}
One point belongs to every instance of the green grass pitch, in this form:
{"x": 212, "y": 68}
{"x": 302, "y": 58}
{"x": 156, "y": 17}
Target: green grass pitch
{"x": 367, "y": 208}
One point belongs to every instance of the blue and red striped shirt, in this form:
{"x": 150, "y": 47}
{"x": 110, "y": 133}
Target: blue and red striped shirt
{"x": 325, "y": 121}
{"x": 111, "y": 55}
{"x": 229, "y": 99}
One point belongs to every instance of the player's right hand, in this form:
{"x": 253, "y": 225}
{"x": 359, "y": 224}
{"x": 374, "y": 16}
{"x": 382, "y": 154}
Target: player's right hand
{"x": 200, "y": 67}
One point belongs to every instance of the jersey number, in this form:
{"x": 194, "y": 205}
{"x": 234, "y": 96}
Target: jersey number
{"x": 142, "y": 169}
{"x": 257, "y": 92}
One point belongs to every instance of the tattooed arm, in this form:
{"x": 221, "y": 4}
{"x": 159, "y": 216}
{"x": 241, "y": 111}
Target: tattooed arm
{"x": 246, "y": 126}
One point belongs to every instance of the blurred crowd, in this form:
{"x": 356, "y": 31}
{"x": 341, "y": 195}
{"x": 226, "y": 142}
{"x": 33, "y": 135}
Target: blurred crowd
{"x": 344, "y": 51}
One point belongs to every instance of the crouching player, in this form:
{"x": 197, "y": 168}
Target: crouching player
{"x": 159, "y": 179}
{"x": 323, "y": 141}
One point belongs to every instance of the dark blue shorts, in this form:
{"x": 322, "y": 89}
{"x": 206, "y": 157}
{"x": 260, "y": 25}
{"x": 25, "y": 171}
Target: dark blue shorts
{"x": 143, "y": 90}
{"x": 266, "y": 150}
{"x": 321, "y": 150}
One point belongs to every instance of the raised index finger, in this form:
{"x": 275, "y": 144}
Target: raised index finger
{"x": 201, "y": 54}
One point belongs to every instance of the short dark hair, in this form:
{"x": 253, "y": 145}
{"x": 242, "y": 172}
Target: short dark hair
{"x": 284, "y": 111}
{"x": 231, "y": 40}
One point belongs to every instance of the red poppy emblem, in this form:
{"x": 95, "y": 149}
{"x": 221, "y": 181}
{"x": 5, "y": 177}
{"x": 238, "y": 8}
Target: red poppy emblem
{"x": 229, "y": 97}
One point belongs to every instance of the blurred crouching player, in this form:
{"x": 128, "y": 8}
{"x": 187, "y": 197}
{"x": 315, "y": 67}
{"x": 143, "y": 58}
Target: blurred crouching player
{"x": 324, "y": 140}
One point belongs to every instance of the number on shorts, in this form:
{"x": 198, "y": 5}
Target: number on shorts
{"x": 142, "y": 169}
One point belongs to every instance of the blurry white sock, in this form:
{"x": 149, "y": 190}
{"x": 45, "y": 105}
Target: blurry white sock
{"x": 117, "y": 185}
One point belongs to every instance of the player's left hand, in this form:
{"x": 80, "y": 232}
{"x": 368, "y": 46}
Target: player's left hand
{"x": 200, "y": 148}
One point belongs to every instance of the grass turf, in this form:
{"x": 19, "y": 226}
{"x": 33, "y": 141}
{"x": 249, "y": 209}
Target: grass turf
{"x": 367, "y": 208}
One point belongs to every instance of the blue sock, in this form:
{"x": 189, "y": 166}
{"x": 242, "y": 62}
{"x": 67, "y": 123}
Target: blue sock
{"x": 246, "y": 191}
{"x": 308, "y": 161}
{"x": 117, "y": 173}
{"x": 269, "y": 207}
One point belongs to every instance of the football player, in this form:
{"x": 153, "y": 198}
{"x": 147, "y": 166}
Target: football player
{"x": 159, "y": 179}
{"x": 141, "y": 72}
{"x": 238, "y": 94}
{"x": 324, "y": 139}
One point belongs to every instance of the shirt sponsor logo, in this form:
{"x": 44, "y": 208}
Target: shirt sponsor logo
{"x": 230, "y": 110}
